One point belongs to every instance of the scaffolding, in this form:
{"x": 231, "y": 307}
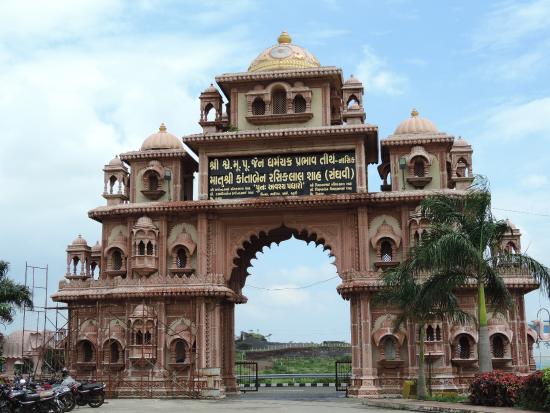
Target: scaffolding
{"x": 61, "y": 333}
{"x": 47, "y": 322}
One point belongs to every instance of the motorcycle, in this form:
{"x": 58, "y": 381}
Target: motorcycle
{"x": 91, "y": 394}
{"x": 65, "y": 397}
{"x": 22, "y": 400}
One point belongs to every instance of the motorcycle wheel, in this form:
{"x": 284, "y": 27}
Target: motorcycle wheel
{"x": 96, "y": 400}
{"x": 54, "y": 408}
{"x": 81, "y": 401}
{"x": 69, "y": 402}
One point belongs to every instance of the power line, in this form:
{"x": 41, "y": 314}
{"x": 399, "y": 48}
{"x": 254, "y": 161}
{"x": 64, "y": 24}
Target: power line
{"x": 523, "y": 212}
{"x": 293, "y": 288}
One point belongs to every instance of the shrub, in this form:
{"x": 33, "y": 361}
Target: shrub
{"x": 534, "y": 393}
{"x": 495, "y": 389}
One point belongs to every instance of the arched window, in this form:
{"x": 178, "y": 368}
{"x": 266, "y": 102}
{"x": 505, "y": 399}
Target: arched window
{"x": 117, "y": 260}
{"x": 510, "y": 248}
{"x": 299, "y": 104}
{"x": 141, "y": 248}
{"x": 389, "y": 348}
{"x": 181, "y": 258}
{"x": 75, "y": 265}
{"x": 430, "y": 333}
{"x": 93, "y": 266}
{"x": 139, "y": 337}
{"x": 87, "y": 352}
{"x": 464, "y": 351}
{"x": 258, "y": 107}
{"x": 210, "y": 113}
{"x": 416, "y": 238}
{"x": 498, "y": 347}
{"x": 386, "y": 251}
{"x": 114, "y": 352}
{"x": 112, "y": 182}
{"x": 153, "y": 181}
{"x": 150, "y": 250}
{"x": 180, "y": 351}
{"x": 278, "y": 100}
{"x": 438, "y": 333}
{"x": 352, "y": 100}
{"x": 147, "y": 337}
{"x": 419, "y": 168}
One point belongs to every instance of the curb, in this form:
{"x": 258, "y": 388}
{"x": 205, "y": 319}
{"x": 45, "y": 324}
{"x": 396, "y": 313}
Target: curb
{"x": 414, "y": 407}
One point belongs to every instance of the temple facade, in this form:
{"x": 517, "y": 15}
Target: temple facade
{"x": 284, "y": 152}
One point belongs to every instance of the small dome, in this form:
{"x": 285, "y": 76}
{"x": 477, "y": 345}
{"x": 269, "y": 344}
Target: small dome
{"x": 144, "y": 221}
{"x": 115, "y": 161}
{"x": 352, "y": 81}
{"x": 143, "y": 311}
{"x": 510, "y": 224}
{"x": 416, "y": 124}
{"x": 161, "y": 140}
{"x": 283, "y": 55}
{"x": 79, "y": 241}
{"x": 460, "y": 142}
{"x": 96, "y": 247}
{"x": 211, "y": 89}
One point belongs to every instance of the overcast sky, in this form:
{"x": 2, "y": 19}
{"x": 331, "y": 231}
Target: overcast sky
{"x": 81, "y": 81}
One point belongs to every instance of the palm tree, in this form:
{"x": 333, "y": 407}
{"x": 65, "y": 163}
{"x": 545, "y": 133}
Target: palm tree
{"x": 463, "y": 248}
{"x": 407, "y": 293}
{"x": 12, "y": 295}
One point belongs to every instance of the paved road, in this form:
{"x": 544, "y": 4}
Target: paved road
{"x": 288, "y": 400}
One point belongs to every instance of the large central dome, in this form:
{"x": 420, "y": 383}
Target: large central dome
{"x": 283, "y": 56}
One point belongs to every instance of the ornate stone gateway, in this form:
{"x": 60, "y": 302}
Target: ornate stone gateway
{"x": 152, "y": 305}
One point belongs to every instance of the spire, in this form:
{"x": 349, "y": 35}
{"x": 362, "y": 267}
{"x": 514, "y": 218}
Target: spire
{"x": 414, "y": 113}
{"x": 284, "y": 37}
{"x": 162, "y": 127}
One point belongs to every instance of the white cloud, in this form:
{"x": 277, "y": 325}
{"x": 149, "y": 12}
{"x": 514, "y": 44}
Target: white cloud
{"x": 513, "y": 40}
{"x": 519, "y": 121}
{"x": 373, "y": 71}
{"x": 45, "y": 20}
{"x": 508, "y": 24}
{"x": 535, "y": 181}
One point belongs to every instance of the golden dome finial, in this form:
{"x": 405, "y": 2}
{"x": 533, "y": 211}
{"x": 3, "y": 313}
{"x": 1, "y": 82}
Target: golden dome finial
{"x": 284, "y": 37}
{"x": 162, "y": 127}
{"x": 414, "y": 113}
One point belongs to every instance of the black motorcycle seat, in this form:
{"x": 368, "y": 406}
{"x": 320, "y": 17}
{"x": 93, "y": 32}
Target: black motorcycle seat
{"x": 31, "y": 397}
{"x": 91, "y": 386}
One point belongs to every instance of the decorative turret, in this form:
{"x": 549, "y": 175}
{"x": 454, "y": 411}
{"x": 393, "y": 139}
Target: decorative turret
{"x": 352, "y": 93}
{"x": 511, "y": 241}
{"x": 115, "y": 177}
{"x": 212, "y": 119}
{"x": 461, "y": 164}
{"x": 78, "y": 259}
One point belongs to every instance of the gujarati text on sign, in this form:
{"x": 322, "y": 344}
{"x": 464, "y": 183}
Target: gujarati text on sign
{"x": 281, "y": 175}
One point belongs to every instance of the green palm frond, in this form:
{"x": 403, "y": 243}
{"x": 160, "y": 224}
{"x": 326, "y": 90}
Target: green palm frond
{"x": 12, "y": 295}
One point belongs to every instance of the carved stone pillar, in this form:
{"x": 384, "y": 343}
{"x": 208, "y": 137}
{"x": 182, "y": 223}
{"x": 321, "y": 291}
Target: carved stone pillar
{"x": 364, "y": 375}
{"x": 228, "y": 347}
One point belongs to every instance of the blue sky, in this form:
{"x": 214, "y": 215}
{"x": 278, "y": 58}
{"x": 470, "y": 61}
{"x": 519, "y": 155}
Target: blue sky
{"x": 83, "y": 81}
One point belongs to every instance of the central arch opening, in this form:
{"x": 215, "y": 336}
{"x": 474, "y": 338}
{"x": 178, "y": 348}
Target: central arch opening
{"x": 294, "y": 321}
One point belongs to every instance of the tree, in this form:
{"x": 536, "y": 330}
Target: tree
{"x": 12, "y": 295}
{"x": 407, "y": 292}
{"x": 463, "y": 248}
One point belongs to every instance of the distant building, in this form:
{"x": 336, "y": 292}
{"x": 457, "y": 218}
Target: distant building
{"x": 25, "y": 353}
